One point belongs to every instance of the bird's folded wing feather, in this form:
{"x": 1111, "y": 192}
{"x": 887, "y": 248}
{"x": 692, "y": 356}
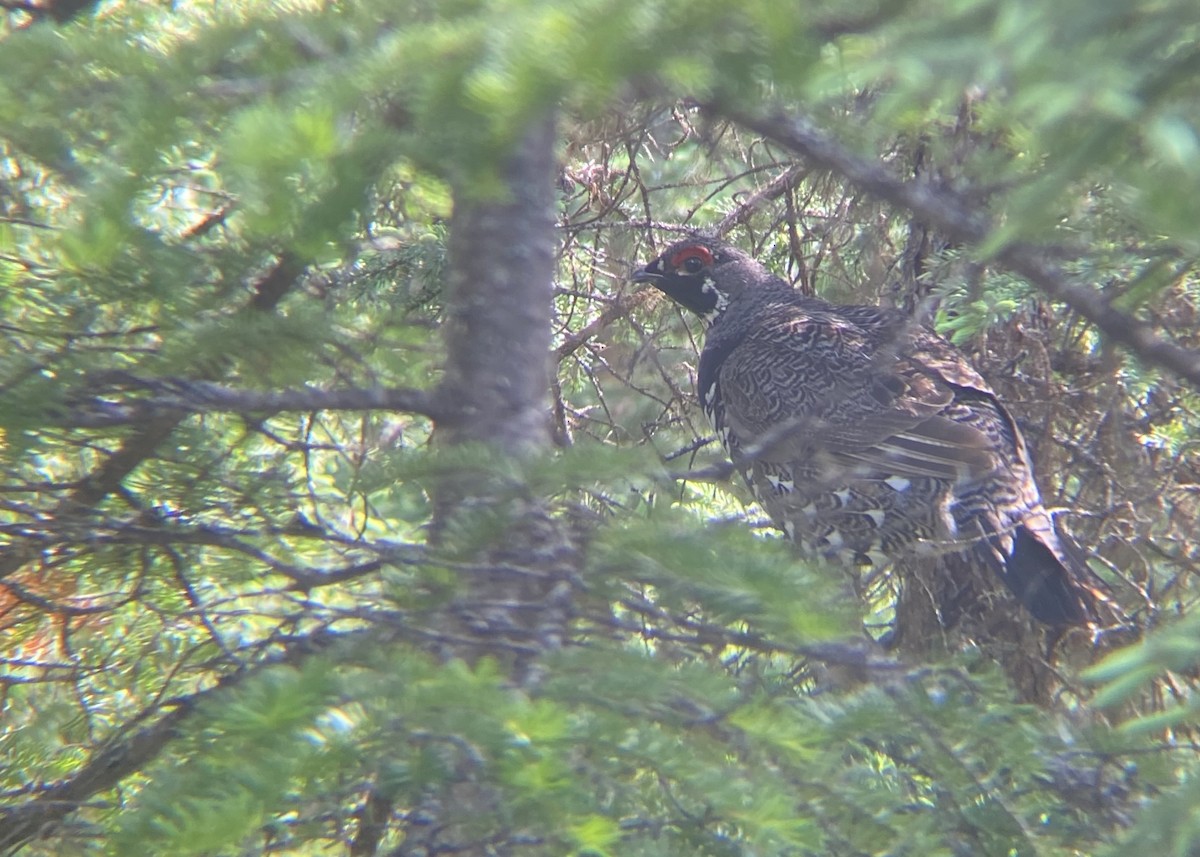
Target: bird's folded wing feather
{"x": 854, "y": 402}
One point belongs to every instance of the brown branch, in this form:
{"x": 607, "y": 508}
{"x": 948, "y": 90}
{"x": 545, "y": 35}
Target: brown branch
{"x": 139, "y": 446}
{"x": 961, "y": 221}
{"x": 178, "y": 398}
{"x": 772, "y": 190}
{"x": 106, "y": 769}
{"x": 276, "y": 283}
{"x": 617, "y": 310}
{"x": 373, "y": 819}
{"x": 857, "y": 654}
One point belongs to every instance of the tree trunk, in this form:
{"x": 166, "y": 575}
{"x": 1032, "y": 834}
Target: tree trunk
{"x": 516, "y": 556}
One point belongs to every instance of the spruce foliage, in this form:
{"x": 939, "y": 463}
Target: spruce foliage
{"x": 253, "y": 601}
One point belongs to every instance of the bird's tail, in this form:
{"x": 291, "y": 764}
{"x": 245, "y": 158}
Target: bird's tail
{"x": 1043, "y": 580}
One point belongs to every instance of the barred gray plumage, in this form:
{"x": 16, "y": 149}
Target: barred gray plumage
{"x": 864, "y": 435}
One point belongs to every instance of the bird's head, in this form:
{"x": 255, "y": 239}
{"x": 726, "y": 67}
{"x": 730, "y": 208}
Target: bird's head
{"x": 702, "y": 275}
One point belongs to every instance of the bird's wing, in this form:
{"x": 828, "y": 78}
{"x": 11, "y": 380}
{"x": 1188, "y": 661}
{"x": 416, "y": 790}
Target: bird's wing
{"x": 855, "y": 399}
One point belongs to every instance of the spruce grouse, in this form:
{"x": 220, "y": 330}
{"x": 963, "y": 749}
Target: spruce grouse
{"x": 865, "y": 435}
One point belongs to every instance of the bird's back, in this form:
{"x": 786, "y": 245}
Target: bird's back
{"x": 867, "y": 438}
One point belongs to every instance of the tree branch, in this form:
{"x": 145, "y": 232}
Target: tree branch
{"x": 961, "y": 221}
{"x": 136, "y": 448}
{"x": 110, "y": 765}
{"x": 177, "y": 398}
{"x": 774, "y": 189}
{"x": 618, "y": 309}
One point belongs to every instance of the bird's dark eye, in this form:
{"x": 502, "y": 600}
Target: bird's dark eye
{"x": 692, "y": 260}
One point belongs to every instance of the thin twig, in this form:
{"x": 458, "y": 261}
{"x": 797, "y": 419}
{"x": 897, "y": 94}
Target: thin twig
{"x": 950, "y": 213}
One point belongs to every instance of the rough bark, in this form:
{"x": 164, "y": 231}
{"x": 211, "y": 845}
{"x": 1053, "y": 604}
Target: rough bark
{"x": 497, "y": 333}
{"x": 495, "y": 397}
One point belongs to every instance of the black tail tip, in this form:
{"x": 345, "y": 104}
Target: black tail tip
{"x": 1044, "y": 584}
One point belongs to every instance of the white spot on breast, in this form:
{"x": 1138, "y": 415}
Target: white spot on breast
{"x": 897, "y": 483}
{"x": 876, "y": 516}
{"x": 810, "y": 509}
{"x": 790, "y": 529}
{"x": 834, "y": 540}
{"x": 843, "y": 496}
{"x": 709, "y": 287}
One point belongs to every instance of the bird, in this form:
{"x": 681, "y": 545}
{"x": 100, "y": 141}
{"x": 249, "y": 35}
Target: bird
{"x": 865, "y": 435}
